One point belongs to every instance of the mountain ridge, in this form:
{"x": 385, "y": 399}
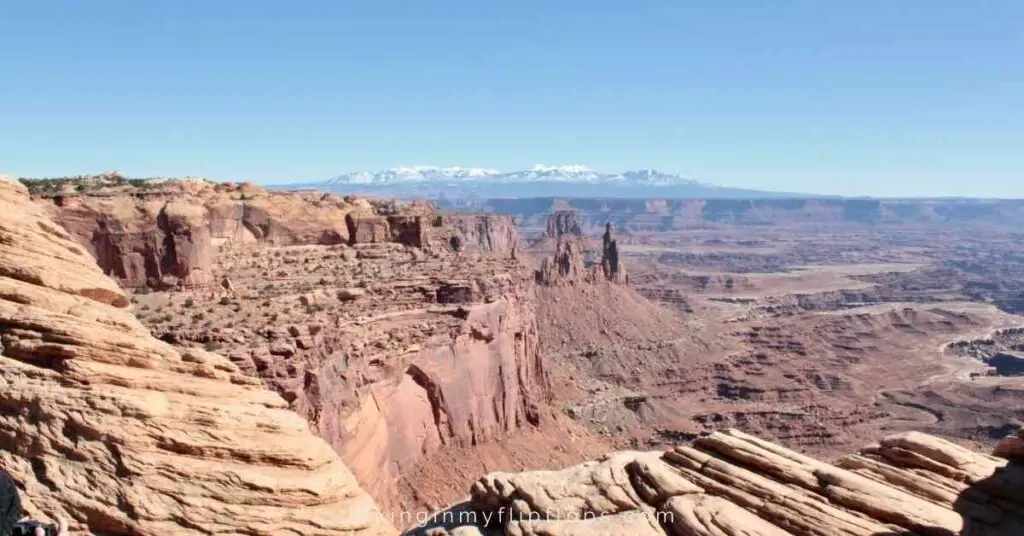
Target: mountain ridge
{"x": 573, "y": 180}
{"x": 539, "y": 172}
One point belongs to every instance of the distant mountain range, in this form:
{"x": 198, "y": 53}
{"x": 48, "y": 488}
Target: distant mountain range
{"x": 539, "y": 181}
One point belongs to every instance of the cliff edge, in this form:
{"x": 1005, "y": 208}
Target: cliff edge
{"x": 733, "y": 484}
{"x": 124, "y": 434}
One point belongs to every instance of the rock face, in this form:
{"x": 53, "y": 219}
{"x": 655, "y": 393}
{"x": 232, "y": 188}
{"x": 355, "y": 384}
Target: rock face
{"x": 487, "y": 234}
{"x": 564, "y": 223}
{"x": 390, "y": 352}
{"x": 567, "y": 265}
{"x": 610, "y": 266}
{"x": 124, "y": 434}
{"x": 396, "y": 330}
{"x": 167, "y": 235}
{"x": 733, "y": 484}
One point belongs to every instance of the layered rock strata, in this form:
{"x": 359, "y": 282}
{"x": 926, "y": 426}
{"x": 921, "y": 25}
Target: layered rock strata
{"x": 567, "y": 265}
{"x": 390, "y": 352}
{"x": 123, "y": 434}
{"x": 734, "y": 484}
{"x": 168, "y": 234}
{"x": 564, "y": 223}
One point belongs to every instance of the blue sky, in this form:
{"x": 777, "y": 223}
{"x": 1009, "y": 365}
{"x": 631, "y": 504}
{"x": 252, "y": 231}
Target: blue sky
{"x": 877, "y": 97}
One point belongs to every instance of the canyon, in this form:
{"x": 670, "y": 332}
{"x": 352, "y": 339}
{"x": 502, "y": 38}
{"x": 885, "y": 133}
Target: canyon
{"x": 405, "y": 336}
{"x": 427, "y": 347}
{"x": 120, "y": 433}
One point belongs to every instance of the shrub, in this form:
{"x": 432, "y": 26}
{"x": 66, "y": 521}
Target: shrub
{"x": 189, "y": 302}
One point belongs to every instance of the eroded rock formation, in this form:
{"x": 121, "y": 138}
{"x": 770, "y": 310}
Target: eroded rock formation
{"x": 123, "y": 434}
{"x": 167, "y": 234}
{"x": 734, "y": 484}
{"x": 613, "y": 271}
{"x": 567, "y": 265}
{"x": 564, "y": 223}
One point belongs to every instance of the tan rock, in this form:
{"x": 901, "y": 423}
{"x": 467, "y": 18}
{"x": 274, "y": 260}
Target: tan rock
{"x": 733, "y": 484}
{"x": 849, "y": 489}
{"x": 633, "y": 522}
{"x": 124, "y": 434}
{"x": 706, "y": 515}
{"x": 594, "y": 489}
{"x": 656, "y": 481}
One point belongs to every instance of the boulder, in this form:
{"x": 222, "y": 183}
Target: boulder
{"x": 733, "y": 484}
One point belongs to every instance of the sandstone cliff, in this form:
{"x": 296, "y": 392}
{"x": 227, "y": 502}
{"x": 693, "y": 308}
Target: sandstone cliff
{"x": 395, "y": 329}
{"x": 124, "y": 434}
{"x": 567, "y": 264}
{"x": 733, "y": 484}
{"x": 167, "y": 234}
{"x": 390, "y": 352}
{"x": 564, "y": 222}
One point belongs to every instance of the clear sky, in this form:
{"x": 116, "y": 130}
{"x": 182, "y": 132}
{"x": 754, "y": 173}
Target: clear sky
{"x": 877, "y": 97}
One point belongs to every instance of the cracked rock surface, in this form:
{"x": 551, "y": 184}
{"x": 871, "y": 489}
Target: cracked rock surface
{"x": 734, "y": 484}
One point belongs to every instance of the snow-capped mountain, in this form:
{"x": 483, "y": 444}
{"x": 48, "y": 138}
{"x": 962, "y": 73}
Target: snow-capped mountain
{"x": 413, "y": 174}
{"x": 539, "y": 173}
{"x": 565, "y": 181}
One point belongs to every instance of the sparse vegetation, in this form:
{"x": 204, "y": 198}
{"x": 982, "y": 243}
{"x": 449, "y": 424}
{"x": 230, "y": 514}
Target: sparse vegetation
{"x": 84, "y": 184}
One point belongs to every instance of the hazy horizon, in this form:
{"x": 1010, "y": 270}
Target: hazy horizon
{"x": 882, "y": 99}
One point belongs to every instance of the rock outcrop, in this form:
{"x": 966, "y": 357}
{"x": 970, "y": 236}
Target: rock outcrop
{"x": 486, "y": 234}
{"x": 1012, "y": 447}
{"x": 610, "y": 267}
{"x": 123, "y": 434}
{"x": 564, "y": 223}
{"x": 390, "y": 352}
{"x": 167, "y": 234}
{"x": 733, "y": 484}
{"x": 567, "y": 265}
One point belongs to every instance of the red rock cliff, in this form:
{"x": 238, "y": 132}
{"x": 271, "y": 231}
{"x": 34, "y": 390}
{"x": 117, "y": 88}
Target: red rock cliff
{"x": 394, "y": 329}
{"x": 123, "y": 434}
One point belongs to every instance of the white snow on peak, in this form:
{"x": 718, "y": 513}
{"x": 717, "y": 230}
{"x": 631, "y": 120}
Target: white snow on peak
{"x": 539, "y": 173}
{"x": 413, "y": 174}
{"x": 568, "y": 169}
